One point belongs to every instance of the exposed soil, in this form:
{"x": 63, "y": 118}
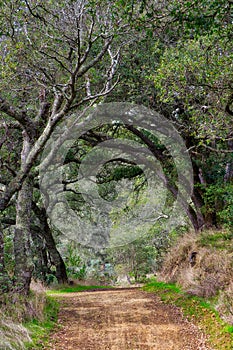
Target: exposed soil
{"x": 128, "y": 319}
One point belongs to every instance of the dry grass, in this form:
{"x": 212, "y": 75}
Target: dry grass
{"x": 212, "y": 272}
{"x": 14, "y": 311}
{"x": 225, "y": 304}
{"x": 21, "y": 309}
{"x": 12, "y": 335}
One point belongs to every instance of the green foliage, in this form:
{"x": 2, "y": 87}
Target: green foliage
{"x": 194, "y": 72}
{"x": 216, "y": 240}
{"x": 202, "y": 17}
{"x": 139, "y": 258}
{"x": 162, "y": 286}
{"x": 25, "y": 322}
{"x": 50, "y": 279}
{"x": 185, "y": 61}
{"x": 40, "y": 329}
{"x": 226, "y": 214}
{"x": 219, "y": 198}
{"x": 76, "y": 268}
{"x": 8, "y": 252}
{"x": 74, "y": 289}
{"x": 100, "y": 270}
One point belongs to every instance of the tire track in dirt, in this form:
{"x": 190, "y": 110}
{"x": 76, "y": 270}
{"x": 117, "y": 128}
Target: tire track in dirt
{"x": 123, "y": 320}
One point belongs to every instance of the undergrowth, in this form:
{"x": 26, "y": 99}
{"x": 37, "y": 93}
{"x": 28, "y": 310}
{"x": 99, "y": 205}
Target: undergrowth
{"x": 210, "y": 274}
{"x": 198, "y": 310}
{"x": 217, "y": 240}
{"x": 40, "y": 329}
{"x": 25, "y": 322}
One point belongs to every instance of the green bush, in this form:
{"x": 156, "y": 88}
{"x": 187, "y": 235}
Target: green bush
{"x": 76, "y": 268}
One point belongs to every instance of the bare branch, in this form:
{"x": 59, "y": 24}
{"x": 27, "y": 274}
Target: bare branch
{"x": 21, "y": 117}
{"x": 88, "y": 86}
{"x": 112, "y": 69}
{"x": 55, "y": 59}
{"x": 217, "y": 150}
{"x": 95, "y": 97}
{"x": 79, "y": 72}
{"x": 9, "y": 124}
{"x": 56, "y": 104}
{"x": 36, "y": 15}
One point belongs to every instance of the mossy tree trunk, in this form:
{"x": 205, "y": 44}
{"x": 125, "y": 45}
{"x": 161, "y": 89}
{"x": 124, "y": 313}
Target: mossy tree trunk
{"x": 46, "y": 233}
{"x": 4, "y": 278}
{"x": 61, "y": 273}
{"x": 22, "y": 250}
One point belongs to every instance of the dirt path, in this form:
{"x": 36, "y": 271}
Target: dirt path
{"x": 123, "y": 320}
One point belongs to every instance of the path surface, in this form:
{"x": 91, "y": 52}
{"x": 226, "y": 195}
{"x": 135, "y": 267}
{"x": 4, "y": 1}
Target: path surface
{"x": 123, "y": 320}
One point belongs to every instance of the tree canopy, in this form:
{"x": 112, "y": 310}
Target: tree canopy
{"x": 171, "y": 59}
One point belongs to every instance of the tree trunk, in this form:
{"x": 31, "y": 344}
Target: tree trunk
{"x": 198, "y": 204}
{"x": 229, "y": 166}
{"x": 46, "y": 232}
{"x": 194, "y": 218}
{"x": 61, "y": 273}
{"x": 22, "y": 250}
{"x": 39, "y": 251}
{"x": 4, "y": 278}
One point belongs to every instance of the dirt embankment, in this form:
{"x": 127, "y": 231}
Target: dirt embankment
{"x": 123, "y": 320}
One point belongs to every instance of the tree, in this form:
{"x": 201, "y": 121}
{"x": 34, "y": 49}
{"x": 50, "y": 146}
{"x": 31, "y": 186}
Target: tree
{"x": 60, "y": 58}
{"x": 194, "y": 80}
{"x": 189, "y": 81}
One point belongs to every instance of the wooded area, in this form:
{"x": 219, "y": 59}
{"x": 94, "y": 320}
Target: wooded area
{"x": 65, "y": 58}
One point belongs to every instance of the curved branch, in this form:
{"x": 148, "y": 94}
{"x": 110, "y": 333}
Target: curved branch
{"x": 28, "y": 125}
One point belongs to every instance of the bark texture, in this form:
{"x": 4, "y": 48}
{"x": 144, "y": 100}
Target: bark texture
{"x": 22, "y": 250}
{"x": 4, "y": 278}
{"x": 46, "y": 233}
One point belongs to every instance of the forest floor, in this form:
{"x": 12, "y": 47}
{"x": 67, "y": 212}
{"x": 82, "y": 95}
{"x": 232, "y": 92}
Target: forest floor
{"x": 127, "y": 319}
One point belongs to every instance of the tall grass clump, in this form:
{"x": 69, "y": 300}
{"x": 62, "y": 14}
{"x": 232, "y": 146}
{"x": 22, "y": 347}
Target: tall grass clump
{"x": 25, "y": 319}
{"x": 13, "y": 335}
{"x": 225, "y": 304}
{"x": 209, "y": 274}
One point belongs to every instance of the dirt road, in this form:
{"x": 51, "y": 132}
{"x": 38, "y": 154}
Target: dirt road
{"x": 123, "y": 320}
